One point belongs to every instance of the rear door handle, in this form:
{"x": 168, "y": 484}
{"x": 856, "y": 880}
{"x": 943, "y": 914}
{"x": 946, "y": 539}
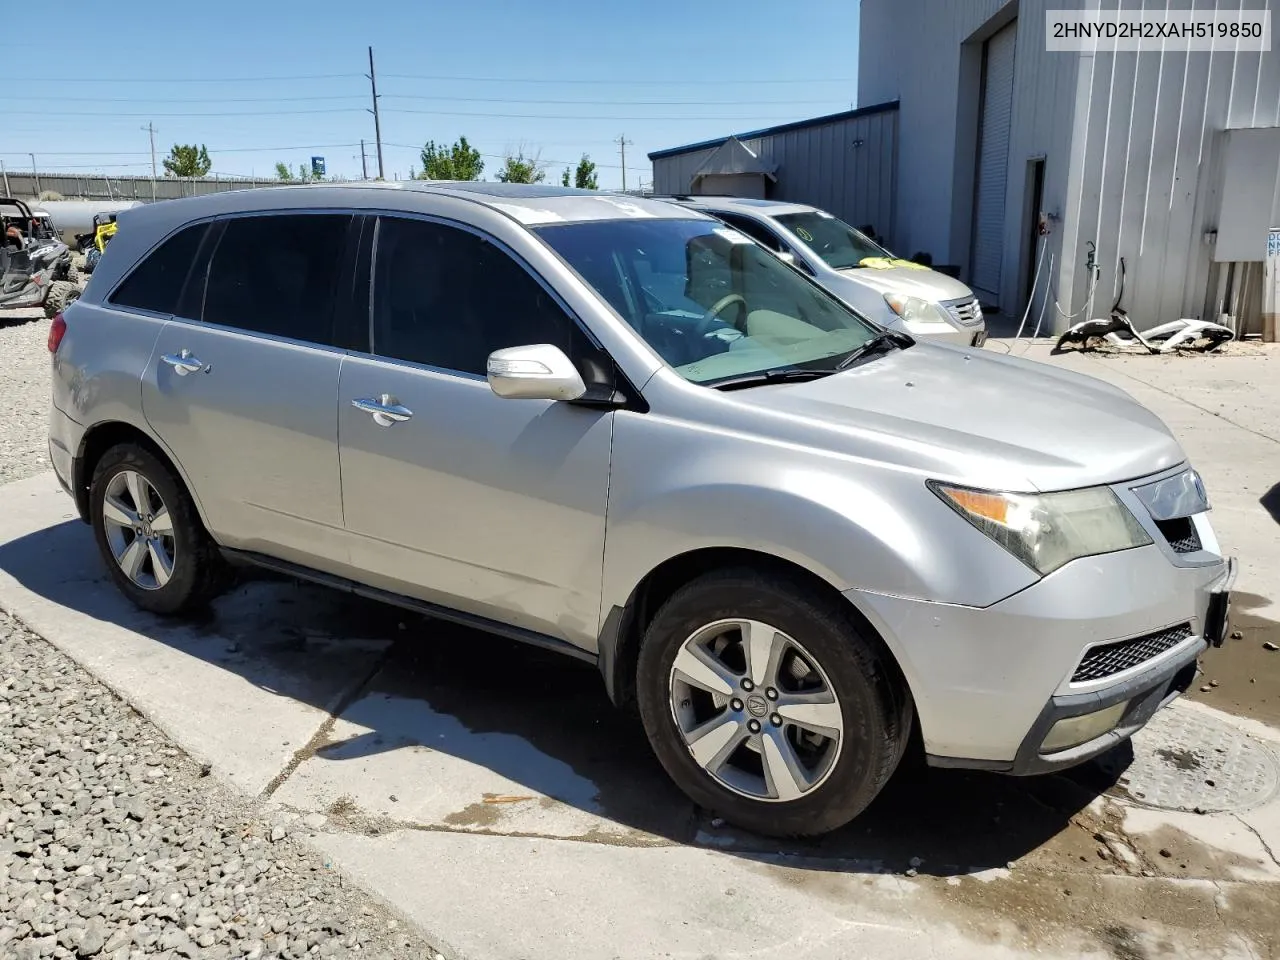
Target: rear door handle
{"x": 384, "y": 410}
{"x": 183, "y": 362}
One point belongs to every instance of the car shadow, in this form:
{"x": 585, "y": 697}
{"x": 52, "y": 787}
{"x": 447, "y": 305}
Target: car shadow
{"x": 1271, "y": 502}
{"x": 543, "y": 720}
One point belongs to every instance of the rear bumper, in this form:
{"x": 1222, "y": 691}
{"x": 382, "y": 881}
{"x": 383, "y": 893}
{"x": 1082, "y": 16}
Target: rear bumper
{"x": 64, "y": 440}
{"x": 990, "y": 683}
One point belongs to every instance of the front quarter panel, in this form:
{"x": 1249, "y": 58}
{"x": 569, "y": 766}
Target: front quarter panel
{"x": 679, "y": 486}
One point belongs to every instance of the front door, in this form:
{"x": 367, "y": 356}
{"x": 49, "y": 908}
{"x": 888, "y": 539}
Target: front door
{"x": 243, "y": 395}
{"x": 455, "y": 496}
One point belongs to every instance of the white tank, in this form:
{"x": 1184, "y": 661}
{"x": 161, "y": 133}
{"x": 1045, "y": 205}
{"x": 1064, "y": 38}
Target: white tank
{"x": 73, "y": 217}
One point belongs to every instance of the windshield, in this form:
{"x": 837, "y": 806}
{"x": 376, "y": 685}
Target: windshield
{"x": 832, "y": 239}
{"x": 710, "y": 301}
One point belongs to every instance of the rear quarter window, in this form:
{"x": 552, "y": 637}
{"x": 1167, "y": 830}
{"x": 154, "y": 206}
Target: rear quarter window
{"x": 156, "y": 283}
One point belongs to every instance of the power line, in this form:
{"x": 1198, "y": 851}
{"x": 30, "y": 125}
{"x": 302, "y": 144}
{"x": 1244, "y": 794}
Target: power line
{"x": 194, "y": 116}
{"x": 613, "y": 81}
{"x": 42, "y": 81}
{"x": 79, "y": 99}
{"x": 617, "y": 103}
{"x": 551, "y": 116}
{"x": 143, "y": 153}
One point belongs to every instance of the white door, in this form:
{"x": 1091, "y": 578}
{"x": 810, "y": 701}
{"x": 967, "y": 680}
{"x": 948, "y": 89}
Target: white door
{"x": 993, "y": 164}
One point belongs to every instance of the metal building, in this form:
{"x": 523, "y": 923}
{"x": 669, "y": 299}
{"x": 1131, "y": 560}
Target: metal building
{"x": 843, "y": 162}
{"x": 1169, "y": 159}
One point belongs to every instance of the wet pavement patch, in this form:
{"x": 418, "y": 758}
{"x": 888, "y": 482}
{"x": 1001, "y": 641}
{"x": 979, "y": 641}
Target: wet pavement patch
{"x": 1195, "y": 763}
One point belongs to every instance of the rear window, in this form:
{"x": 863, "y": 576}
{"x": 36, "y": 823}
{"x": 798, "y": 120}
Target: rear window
{"x": 278, "y": 274}
{"x": 156, "y": 283}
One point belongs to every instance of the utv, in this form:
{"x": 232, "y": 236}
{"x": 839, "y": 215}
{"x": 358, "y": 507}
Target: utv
{"x": 35, "y": 266}
{"x": 94, "y": 244}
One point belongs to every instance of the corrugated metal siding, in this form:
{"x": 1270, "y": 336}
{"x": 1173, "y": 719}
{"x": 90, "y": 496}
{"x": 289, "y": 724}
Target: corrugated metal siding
{"x": 1149, "y": 131}
{"x": 910, "y": 50}
{"x": 993, "y": 161}
{"x": 846, "y": 167}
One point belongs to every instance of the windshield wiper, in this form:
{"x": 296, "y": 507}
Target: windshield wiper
{"x": 777, "y": 375}
{"x": 882, "y": 342}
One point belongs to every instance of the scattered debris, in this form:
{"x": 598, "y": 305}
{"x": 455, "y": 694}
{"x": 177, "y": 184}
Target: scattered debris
{"x": 1237, "y": 635}
{"x": 1268, "y": 645}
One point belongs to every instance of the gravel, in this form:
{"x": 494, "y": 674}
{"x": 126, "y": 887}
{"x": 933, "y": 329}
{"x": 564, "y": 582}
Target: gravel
{"x": 24, "y": 395}
{"x": 113, "y": 843}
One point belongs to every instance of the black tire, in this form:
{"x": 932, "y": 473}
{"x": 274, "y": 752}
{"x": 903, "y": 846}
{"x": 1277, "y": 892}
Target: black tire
{"x": 876, "y": 709}
{"x": 62, "y": 293}
{"x": 199, "y": 570}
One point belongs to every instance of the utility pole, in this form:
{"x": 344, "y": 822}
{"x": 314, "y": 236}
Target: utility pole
{"x": 151, "y": 129}
{"x": 35, "y": 173}
{"x": 5, "y": 173}
{"x": 377, "y": 122}
{"x": 364, "y": 166}
{"x": 622, "y": 145}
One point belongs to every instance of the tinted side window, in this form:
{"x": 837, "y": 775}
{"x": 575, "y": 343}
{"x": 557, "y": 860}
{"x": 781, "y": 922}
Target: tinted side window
{"x": 278, "y": 275}
{"x": 447, "y": 298}
{"x": 756, "y": 231}
{"x": 156, "y": 283}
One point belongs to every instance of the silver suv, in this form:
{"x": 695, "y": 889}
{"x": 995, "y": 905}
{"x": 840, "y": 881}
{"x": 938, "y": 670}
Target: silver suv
{"x": 618, "y": 429}
{"x": 893, "y": 292}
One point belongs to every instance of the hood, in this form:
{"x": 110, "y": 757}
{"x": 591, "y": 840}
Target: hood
{"x": 913, "y": 281}
{"x": 972, "y": 416}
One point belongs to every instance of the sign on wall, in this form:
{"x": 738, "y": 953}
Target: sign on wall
{"x": 1271, "y": 287}
{"x": 317, "y": 166}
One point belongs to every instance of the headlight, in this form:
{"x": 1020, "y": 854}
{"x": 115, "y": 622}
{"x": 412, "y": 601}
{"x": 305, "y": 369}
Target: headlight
{"x": 915, "y": 310}
{"x": 1046, "y": 530}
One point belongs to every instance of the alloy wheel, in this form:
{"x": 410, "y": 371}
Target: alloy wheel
{"x": 756, "y": 710}
{"x": 139, "y": 530}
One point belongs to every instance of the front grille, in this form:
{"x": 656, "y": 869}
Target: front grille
{"x": 1108, "y": 659}
{"x": 968, "y": 312}
{"x": 1181, "y": 534}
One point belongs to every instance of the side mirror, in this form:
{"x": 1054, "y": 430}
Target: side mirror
{"x": 537, "y": 372}
{"x": 791, "y": 260}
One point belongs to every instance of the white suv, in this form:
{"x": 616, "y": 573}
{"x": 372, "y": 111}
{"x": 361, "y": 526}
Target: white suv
{"x": 895, "y": 293}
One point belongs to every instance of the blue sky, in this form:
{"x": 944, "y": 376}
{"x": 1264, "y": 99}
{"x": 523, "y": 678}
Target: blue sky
{"x": 558, "y": 78}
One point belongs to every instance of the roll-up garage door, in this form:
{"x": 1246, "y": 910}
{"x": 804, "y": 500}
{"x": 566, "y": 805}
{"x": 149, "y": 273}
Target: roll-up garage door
{"x": 993, "y": 163}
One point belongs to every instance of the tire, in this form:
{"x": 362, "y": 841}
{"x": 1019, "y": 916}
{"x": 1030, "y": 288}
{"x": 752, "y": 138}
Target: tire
{"x": 196, "y": 571}
{"x": 61, "y": 294}
{"x": 835, "y": 658}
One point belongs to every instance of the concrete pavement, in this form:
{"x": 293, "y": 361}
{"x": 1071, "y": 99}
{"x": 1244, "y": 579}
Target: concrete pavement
{"x": 490, "y": 793}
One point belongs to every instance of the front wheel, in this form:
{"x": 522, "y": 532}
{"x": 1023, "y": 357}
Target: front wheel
{"x": 149, "y": 533}
{"x": 767, "y": 705}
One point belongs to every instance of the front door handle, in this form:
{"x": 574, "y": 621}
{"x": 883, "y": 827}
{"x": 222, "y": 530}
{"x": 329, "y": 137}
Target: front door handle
{"x": 183, "y": 362}
{"x": 384, "y": 410}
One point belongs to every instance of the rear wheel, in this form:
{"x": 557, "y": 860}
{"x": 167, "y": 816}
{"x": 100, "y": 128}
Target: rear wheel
{"x": 149, "y": 533}
{"x": 767, "y": 705}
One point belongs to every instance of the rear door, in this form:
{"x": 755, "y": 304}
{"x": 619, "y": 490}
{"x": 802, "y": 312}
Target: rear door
{"x": 494, "y": 507}
{"x": 242, "y": 382}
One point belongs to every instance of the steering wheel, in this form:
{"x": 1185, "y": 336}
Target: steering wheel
{"x": 712, "y": 315}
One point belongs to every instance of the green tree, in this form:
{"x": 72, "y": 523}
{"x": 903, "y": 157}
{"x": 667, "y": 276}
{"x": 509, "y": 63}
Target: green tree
{"x": 517, "y": 168}
{"x": 187, "y": 160}
{"x": 564, "y": 178}
{"x": 458, "y": 162}
{"x": 304, "y": 174}
{"x": 584, "y": 178}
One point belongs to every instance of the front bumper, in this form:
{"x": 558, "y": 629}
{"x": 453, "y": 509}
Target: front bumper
{"x": 989, "y": 683}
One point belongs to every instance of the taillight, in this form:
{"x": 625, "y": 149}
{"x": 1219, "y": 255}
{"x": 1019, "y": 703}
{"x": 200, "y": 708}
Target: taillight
{"x": 57, "y": 330}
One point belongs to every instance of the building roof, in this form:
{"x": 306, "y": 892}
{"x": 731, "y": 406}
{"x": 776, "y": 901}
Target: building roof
{"x": 780, "y": 128}
{"x": 734, "y": 158}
